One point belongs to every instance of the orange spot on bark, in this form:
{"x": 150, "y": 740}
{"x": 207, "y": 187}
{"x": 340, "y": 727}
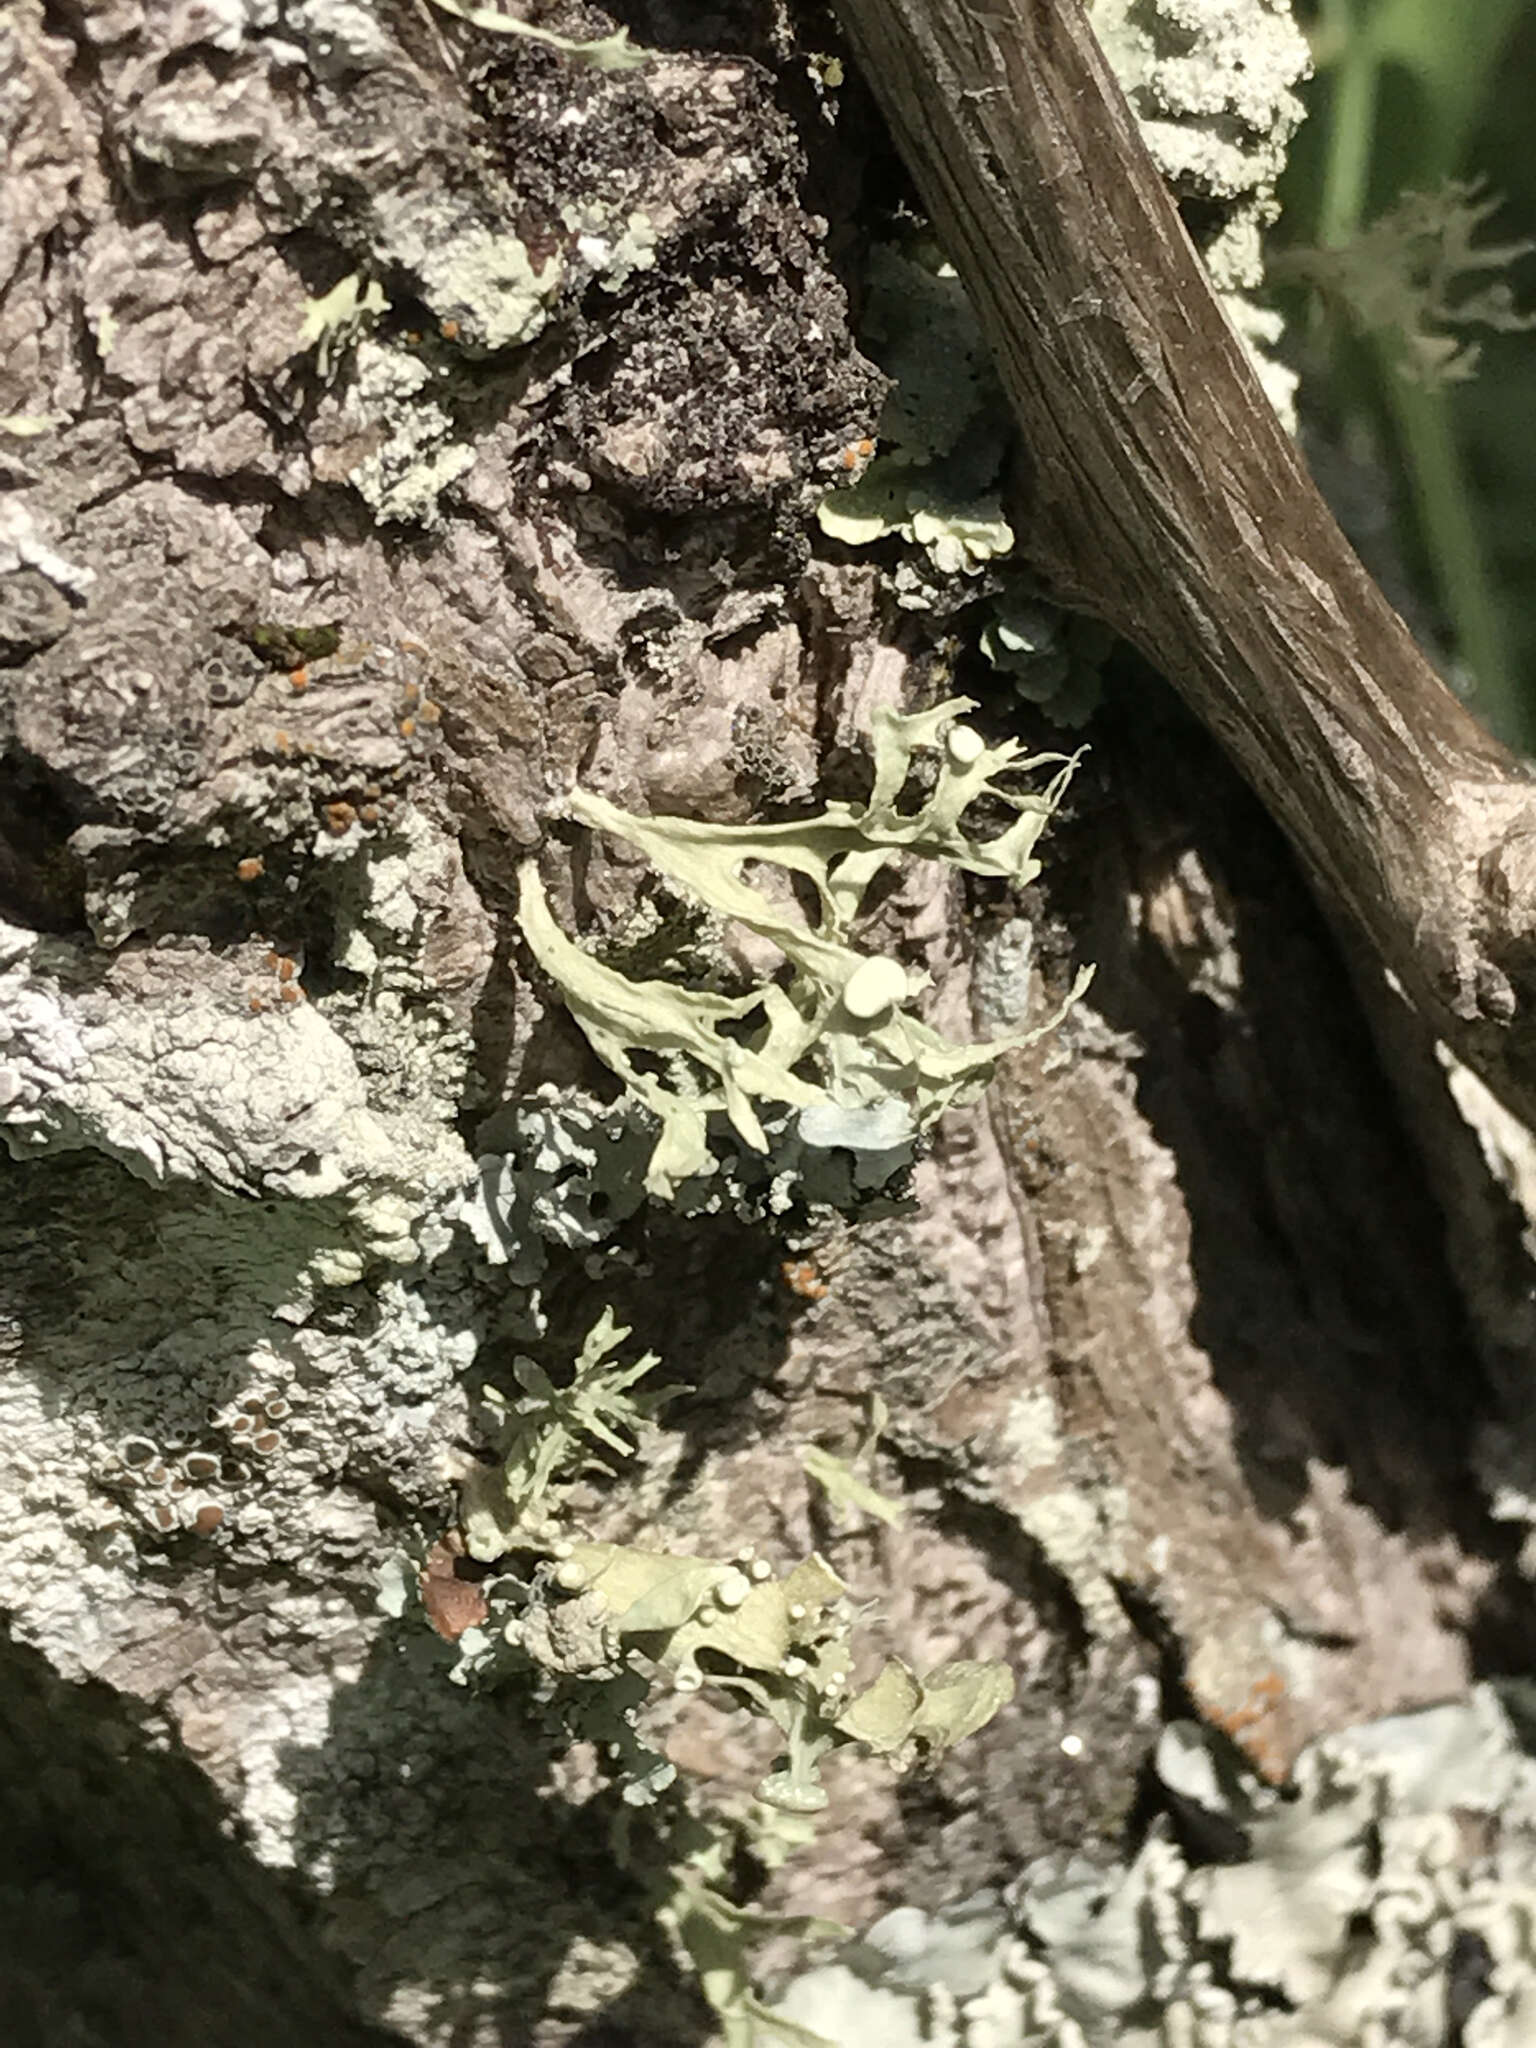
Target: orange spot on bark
{"x": 801, "y": 1277}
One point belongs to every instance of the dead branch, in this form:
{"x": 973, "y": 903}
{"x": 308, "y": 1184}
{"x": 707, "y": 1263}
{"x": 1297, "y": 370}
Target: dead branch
{"x": 1166, "y": 499}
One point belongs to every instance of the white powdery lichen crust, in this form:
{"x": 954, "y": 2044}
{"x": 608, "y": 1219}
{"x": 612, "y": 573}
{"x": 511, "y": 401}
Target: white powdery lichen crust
{"x": 1212, "y": 83}
{"x": 1213, "y": 86}
{"x": 177, "y": 1084}
{"x": 235, "y": 1319}
{"x": 1396, "y": 1891}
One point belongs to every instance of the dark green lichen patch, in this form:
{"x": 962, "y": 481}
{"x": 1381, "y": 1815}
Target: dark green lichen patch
{"x": 290, "y": 646}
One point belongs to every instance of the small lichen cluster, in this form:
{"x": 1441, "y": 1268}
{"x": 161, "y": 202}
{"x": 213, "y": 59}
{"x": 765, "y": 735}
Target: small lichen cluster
{"x": 936, "y": 484}
{"x": 935, "y": 481}
{"x": 1051, "y": 657}
{"x": 567, "y": 1174}
{"x": 1420, "y": 278}
{"x": 607, "y": 1614}
{"x": 1213, "y": 84}
{"x": 837, "y": 1041}
{"x": 186, "y": 1481}
{"x": 1386, "y": 1898}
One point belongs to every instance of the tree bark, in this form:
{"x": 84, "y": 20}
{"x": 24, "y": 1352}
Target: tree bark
{"x": 311, "y": 611}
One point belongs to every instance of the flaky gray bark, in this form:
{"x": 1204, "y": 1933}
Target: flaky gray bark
{"x": 1183, "y": 1381}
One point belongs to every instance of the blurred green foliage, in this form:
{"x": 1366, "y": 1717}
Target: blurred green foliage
{"x": 1410, "y": 94}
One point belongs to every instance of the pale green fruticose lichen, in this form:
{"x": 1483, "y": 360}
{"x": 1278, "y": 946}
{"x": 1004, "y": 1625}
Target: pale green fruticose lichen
{"x": 338, "y": 317}
{"x": 850, "y": 1495}
{"x": 1420, "y": 278}
{"x": 607, "y": 1615}
{"x": 838, "y": 1043}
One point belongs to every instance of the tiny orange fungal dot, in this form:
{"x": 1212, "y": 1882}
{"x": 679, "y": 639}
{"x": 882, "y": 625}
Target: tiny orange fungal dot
{"x": 291, "y": 993}
{"x": 412, "y": 696}
{"x": 339, "y": 818}
{"x": 257, "y": 1004}
{"x": 251, "y": 869}
{"x": 285, "y": 969}
{"x": 281, "y": 741}
{"x": 449, "y": 330}
{"x": 802, "y": 1278}
{"x": 298, "y": 678}
{"x": 866, "y": 447}
{"x": 408, "y": 728}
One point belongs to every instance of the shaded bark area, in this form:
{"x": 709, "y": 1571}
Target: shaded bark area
{"x": 130, "y": 1911}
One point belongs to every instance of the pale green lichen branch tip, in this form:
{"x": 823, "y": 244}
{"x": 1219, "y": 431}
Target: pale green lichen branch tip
{"x": 839, "y": 1035}
{"x": 608, "y": 53}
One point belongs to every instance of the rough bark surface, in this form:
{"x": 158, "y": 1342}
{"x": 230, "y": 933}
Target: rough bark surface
{"x": 1187, "y": 1386}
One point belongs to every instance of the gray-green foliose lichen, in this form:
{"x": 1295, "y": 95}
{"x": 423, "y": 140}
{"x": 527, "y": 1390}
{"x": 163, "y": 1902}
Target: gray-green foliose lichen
{"x": 1346, "y": 1914}
{"x": 567, "y": 1173}
{"x": 936, "y": 483}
